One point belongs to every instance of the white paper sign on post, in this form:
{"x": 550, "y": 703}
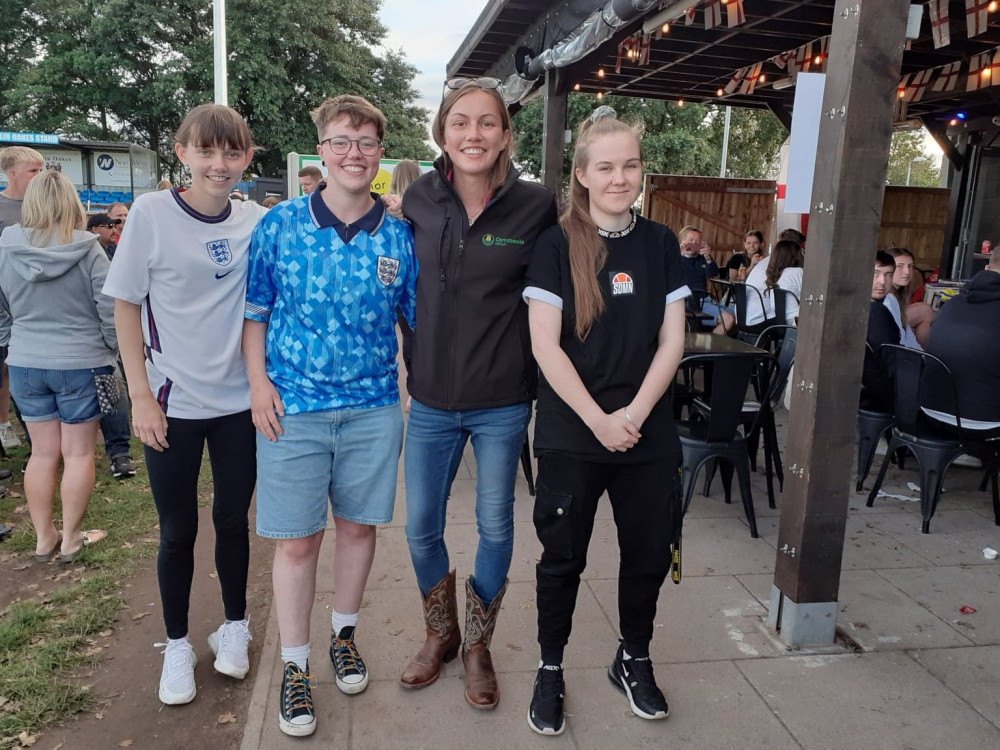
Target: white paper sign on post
{"x": 806, "y": 114}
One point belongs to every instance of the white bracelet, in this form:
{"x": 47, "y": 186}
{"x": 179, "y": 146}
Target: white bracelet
{"x": 628, "y": 418}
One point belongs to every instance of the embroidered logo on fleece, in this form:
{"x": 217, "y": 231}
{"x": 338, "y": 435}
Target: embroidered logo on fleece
{"x": 388, "y": 269}
{"x": 491, "y": 240}
{"x": 219, "y": 252}
{"x": 621, "y": 283}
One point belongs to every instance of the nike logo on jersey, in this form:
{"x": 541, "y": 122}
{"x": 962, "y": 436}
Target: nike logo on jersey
{"x": 224, "y": 275}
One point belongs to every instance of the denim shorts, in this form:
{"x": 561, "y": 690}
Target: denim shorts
{"x": 67, "y": 395}
{"x": 346, "y": 457}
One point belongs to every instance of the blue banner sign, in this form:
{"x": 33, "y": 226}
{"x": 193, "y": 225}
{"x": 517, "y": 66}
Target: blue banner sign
{"x": 36, "y": 138}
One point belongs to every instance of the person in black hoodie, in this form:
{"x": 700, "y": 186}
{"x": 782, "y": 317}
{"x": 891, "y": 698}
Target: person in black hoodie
{"x": 962, "y": 337}
{"x": 876, "y": 393}
{"x": 470, "y": 372}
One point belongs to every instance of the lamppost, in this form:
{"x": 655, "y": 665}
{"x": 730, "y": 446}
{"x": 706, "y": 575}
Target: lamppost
{"x": 914, "y": 160}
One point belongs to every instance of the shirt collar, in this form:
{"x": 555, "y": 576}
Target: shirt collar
{"x": 324, "y": 217}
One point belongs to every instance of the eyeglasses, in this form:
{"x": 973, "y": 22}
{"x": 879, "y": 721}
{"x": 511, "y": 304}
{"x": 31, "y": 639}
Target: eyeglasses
{"x": 341, "y": 145}
{"x": 115, "y": 222}
{"x": 486, "y": 83}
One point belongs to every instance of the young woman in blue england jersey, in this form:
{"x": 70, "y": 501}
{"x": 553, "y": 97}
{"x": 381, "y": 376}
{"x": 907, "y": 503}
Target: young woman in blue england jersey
{"x": 470, "y": 372}
{"x": 606, "y": 297}
{"x": 179, "y": 278}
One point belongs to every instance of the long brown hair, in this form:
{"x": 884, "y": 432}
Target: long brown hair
{"x": 498, "y": 174}
{"x": 587, "y": 250}
{"x": 786, "y": 254}
{"x": 903, "y": 293}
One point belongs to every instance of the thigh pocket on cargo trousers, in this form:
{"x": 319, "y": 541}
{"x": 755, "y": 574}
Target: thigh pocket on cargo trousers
{"x": 554, "y": 521}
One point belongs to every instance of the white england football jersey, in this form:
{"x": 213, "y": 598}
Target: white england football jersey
{"x": 188, "y": 272}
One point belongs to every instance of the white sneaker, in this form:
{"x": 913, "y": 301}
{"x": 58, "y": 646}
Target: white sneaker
{"x": 8, "y": 438}
{"x": 177, "y": 679}
{"x": 229, "y": 644}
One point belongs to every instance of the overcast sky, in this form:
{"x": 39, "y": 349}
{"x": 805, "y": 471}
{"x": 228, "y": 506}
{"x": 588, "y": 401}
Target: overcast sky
{"x": 429, "y": 32}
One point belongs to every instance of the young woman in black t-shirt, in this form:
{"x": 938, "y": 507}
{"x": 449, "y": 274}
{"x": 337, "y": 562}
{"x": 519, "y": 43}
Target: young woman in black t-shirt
{"x": 606, "y": 296}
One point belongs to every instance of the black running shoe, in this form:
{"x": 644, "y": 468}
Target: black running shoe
{"x": 545, "y": 714}
{"x": 634, "y": 677}
{"x": 352, "y": 676}
{"x": 297, "y": 716}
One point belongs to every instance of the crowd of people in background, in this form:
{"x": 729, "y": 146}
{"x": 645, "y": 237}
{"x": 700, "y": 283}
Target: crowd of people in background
{"x": 291, "y": 379}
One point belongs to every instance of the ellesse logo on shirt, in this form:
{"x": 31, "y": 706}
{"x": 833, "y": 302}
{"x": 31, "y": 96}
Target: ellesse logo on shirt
{"x": 621, "y": 283}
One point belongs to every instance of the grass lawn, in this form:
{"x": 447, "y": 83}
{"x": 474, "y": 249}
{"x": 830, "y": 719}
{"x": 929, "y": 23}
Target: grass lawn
{"x": 47, "y": 637}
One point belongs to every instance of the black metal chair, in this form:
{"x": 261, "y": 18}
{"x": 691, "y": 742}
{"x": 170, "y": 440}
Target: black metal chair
{"x": 778, "y": 341}
{"x": 873, "y": 424}
{"x": 916, "y": 376}
{"x": 742, "y": 293}
{"x": 781, "y": 298}
{"x": 722, "y": 435}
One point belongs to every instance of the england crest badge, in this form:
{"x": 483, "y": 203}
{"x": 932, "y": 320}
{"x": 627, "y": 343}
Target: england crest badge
{"x": 388, "y": 269}
{"x": 219, "y": 252}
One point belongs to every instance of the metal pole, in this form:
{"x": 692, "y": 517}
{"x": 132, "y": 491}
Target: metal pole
{"x": 908, "y": 168}
{"x": 725, "y": 142}
{"x": 221, "y": 77}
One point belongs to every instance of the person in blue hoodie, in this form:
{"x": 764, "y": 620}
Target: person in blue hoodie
{"x": 60, "y": 330}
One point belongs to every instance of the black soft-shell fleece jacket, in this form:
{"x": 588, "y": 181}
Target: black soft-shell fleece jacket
{"x": 471, "y": 348}
{"x": 964, "y": 335}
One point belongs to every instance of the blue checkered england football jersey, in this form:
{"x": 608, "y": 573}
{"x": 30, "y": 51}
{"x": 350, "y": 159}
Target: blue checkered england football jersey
{"x": 330, "y": 306}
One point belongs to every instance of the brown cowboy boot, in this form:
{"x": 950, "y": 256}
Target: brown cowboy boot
{"x": 443, "y": 635}
{"x": 481, "y": 689}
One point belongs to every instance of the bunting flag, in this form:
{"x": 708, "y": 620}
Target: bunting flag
{"x": 736, "y": 81}
{"x": 976, "y": 17}
{"x": 689, "y": 16}
{"x": 803, "y": 57}
{"x": 976, "y": 79}
{"x": 734, "y": 13}
{"x": 750, "y": 79}
{"x": 643, "y": 45}
{"x": 782, "y": 60}
{"x": 947, "y": 79}
{"x": 917, "y": 85}
{"x": 713, "y": 13}
{"x": 939, "y": 23}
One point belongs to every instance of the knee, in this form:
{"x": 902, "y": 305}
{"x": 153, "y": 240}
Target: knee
{"x": 297, "y": 551}
{"x": 353, "y": 533}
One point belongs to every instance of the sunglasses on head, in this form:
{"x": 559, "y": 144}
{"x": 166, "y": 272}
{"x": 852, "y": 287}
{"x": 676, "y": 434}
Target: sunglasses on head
{"x": 485, "y": 83}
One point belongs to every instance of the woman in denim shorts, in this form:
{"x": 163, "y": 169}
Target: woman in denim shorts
{"x": 60, "y": 331}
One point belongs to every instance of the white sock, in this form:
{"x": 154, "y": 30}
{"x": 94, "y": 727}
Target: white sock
{"x": 339, "y": 621}
{"x": 298, "y": 655}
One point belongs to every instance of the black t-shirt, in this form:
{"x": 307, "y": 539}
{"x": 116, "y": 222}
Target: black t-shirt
{"x": 738, "y": 261}
{"x": 642, "y": 274}
{"x": 882, "y": 329}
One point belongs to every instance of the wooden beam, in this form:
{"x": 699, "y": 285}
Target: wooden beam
{"x": 939, "y": 132}
{"x": 783, "y": 115}
{"x": 554, "y": 130}
{"x": 866, "y": 50}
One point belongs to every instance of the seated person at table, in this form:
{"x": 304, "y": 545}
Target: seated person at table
{"x": 795, "y": 236}
{"x": 876, "y": 394}
{"x": 753, "y": 247}
{"x": 781, "y": 269}
{"x": 698, "y": 265}
{"x": 962, "y": 337}
{"x": 897, "y": 298}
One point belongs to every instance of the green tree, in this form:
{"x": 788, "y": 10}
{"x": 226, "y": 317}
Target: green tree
{"x": 18, "y": 30}
{"x": 130, "y": 69}
{"x": 685, "y": 140}
{"x": 906, "y": 147}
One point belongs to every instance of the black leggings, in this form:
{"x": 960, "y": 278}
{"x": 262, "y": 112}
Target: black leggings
{"x": 646, "y": 502}
{"x": 173, "y": 477}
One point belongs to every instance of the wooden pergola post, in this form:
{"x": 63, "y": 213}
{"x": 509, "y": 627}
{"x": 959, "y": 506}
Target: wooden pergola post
{"x": 866, "y": 50}
{"x": 554, "y": 130}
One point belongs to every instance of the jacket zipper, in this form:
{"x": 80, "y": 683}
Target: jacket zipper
{"x": 453, "y": 365}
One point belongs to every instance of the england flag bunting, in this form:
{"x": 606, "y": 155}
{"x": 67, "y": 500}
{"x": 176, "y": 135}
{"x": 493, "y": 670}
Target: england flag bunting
{"x": 915, "y": 85}
{"x": 976, "y": 80}
{"x": 734, "y": 13}
{"x": 947, "y": 78}
{"x": 689, "y": 16}
{"x": 750, "y": 80}
{"x": 976, "y": 17}
{"x": 736, "y": 80}
{"x": 713, "y": 13}
{"x": 940, "y": 29}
